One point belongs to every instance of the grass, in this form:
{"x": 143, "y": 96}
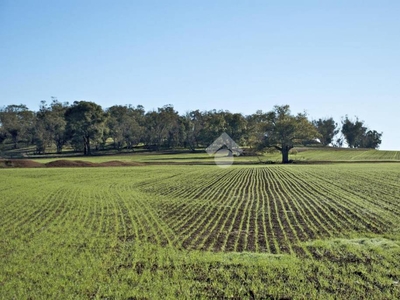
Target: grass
{"x": 331, "y": 154}
{"x": 152, "y": 232}
{"x": 336, "y": 154}
{"x": 182, "y": 156}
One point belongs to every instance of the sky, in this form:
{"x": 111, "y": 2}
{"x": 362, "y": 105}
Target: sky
{"x": 328, "y": 58}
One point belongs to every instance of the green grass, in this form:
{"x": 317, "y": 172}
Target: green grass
{"x": 309, "y": 155}
{"x": 333, "y": 154}
{"x": 301, "y": 155}
{"x": 167, "y": 232}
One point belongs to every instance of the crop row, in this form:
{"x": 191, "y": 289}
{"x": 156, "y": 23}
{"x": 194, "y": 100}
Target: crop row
{"x": 272, "y": 209}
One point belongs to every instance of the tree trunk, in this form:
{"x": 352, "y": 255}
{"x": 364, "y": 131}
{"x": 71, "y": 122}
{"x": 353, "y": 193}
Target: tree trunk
{"x": 88, "y": 152}
{"x": 86, "y": 146}
{"x": 285, "y": 154}
{"x": 59, "y": 149}
{"x": 15, "y": 141}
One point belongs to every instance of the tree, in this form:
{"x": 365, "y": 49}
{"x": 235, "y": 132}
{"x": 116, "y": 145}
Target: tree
{"x": 42, "y": 137}
{"x": 215, "y": 124}
{"x": 255, "y": 128}
{"x": 192, "y": 124}
{"x": 282, "y": 130}
{"x": 17, "y": 122}
{"x": 328, "y": 129}
{"x": 124, "y": 125}
{"x": 371, "y": 139}
{"x": 57, "y": 123}
{"x": 50, "y": 125}
{"x": 161, "y": 127}
{"x": 359, "y": 136}
{"x": 85, "y": 122}
{"x": 3, "y": 134}
{"x": 117, "y": 116}
{"x": 353, "y": 131}
{"x": 236, "y": 127}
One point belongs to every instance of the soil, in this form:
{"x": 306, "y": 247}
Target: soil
{"x": 69, "y": 163}
{"x": 26, "y": 163}
{"x": 19, "y": 163}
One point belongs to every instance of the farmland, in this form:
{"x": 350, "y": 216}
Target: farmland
{"x": 298, "y": 154}
{"x": 295, "y": 231}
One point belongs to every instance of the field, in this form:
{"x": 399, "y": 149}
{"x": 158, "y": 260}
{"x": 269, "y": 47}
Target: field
{"x": 196, "y": 231}
{"x": 182, "y": 156}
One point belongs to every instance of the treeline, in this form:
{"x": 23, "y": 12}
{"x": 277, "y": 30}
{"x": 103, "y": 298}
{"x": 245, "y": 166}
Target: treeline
{"x": 86, "y": 126}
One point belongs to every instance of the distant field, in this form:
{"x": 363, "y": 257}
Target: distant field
{"x": 296, "y": 231}
{"x": 182, "y": 156}
{"x": 347, "y": 155}
{"x": 300, "y": 155}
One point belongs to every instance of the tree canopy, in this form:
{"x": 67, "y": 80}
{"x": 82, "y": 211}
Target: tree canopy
{"x": 282, "y": 130}
{"x": 85, "y": 126}
{"x": 357, "y": 135}
{"x": 327, "y": 129}
{"x": 17, "y": 122}
{"x": 85, "y": 122}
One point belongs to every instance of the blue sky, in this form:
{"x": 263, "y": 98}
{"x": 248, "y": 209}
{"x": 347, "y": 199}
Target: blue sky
{"x": 330, "y": 58}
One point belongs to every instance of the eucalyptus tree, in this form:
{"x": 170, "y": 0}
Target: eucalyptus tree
{"x": 282, "y": 130}
{"x": 327, "y": 129}
{"x": 51, "y": 125}
{"x": 357, "y": 135}
{"x": 17, "y": 122}
{"x": 85, "y": 123}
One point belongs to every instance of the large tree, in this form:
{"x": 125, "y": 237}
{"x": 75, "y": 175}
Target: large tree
{"x": 283, "y": 131}
{"x": 85, "y": 123}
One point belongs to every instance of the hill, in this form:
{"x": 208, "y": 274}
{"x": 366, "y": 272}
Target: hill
{"x": 302, "y": 155}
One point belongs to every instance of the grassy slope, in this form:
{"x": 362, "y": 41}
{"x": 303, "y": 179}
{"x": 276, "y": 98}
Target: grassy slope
{"x": 310, "y": 155}
{"x": 64, "y": 236}
{"x": 332, "y": 154}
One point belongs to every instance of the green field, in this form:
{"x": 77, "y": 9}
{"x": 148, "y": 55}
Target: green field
{"x": 306, "y": 155}
{"x": 192, "y": 231}
{"x": 340, "y": 154}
